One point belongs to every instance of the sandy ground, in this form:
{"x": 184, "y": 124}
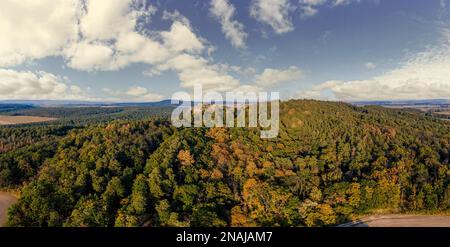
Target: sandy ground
{"x": 396, "y": 220}
{"x": 6, "y": 200}
{"x": 8, "y": 120}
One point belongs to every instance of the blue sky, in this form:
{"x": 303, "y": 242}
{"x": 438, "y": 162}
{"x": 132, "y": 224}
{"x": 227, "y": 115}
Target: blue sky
{"x": 147, "y": 50}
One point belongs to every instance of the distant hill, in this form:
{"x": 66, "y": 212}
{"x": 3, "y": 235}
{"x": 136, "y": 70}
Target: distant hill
{"x": 4, "y": 108}
{"x": 69, "y": 103}
{"x": 167, "y": 102}
{"x": 404, "y": 102}
{"x": 143, "y": 104}
{"x": 49, "y": 103}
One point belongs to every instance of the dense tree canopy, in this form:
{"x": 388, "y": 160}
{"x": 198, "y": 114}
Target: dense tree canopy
{"x": 330, "y": 163}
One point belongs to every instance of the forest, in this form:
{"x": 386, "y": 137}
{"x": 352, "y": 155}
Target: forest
{"x": 331, "y": 163}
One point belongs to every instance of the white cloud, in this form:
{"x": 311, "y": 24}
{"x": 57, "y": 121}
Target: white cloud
{"x": 309, "y": 8}
{"x": 343, "y": 2}
{"x": 274, "y": 13}
{"x": 223, "y": 11}
{"x": 112, "y": 92}
{"x": 36, "y": 85}
{"x": 36, "y": 29}
{"x": 101, "y": 35}
{"x": 271, "y": 77}
{"x": 246, "y": 71}
{"x": 175, "y": 16}
{"x": 117, "y": 43}
{"x": 312, "y": 2}
{"x": 110, "y": 37}
{"x": 180, "y": 38}
{"x": 150, "y": 97}
{"x": 136, "y": 48}
{"x": 133, "y": 94}
{"x": 370, "y": 65}
{"x": 106, "y": 35}
{"x": 424, "y": 76}
{"x": 193, "y": 70}
{"x": 90, "y": 35}
{"x": 89, "y": 56}
{"x": 136, "y": 91}
{"x": 308, "y": 11}
{"x": 106, "y": 19}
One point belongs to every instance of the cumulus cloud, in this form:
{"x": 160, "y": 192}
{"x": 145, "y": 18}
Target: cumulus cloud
{"x": 105, "y": 35}
{"x": 95, "y": 35}
{"x": 152, "y": 97}
{"x": 275, "y": 13}
{"x": 110, "y": 36}
{"x": 423, "y": 76}
{"x": 194, "y": 70}
{"x": 223, "y": 11}
{"x": 36, "y": 29}
{"x": 180, "y": 38}
{"x": 89, "y": 56}
{"x": 90, "y": 35}
{"x": 37, "y": 85}
{"x": 271, "y": 77}
{"x": 106, "y": 19}
{"x": 134, "y": 93}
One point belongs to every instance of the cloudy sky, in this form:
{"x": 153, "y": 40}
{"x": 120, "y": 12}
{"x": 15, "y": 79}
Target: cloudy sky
{"x": 145, "y": 50}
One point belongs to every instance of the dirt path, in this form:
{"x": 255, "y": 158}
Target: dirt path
{"x": 395, "y": 220}
{"x": 6, "y": 200}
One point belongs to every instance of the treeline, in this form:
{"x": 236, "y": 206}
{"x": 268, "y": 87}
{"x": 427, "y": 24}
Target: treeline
{"x": 6, "y": 108}
{"x": 330, "y": 163}
{"x": 63, "y": 112}
{"x": 76, "y": 112}
{"x": 12, "y": 138}
{"x": 16, "y": 136}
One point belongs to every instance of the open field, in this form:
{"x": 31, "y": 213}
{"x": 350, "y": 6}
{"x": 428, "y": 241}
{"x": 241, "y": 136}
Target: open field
{"x": 6, "y": 200}
{"x": 397, "y": 220}
{"x": 443, "y": 113}
{"x": 11, "y": 120}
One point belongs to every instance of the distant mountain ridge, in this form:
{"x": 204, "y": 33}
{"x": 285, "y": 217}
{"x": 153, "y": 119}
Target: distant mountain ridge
{"x": 167, "y": 102}
{"x": 403, "y": 102}
{"x": 73, "y": 103}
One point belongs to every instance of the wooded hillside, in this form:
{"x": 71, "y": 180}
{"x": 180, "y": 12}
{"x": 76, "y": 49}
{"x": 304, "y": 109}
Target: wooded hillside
{"x": 331, "y": 161}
